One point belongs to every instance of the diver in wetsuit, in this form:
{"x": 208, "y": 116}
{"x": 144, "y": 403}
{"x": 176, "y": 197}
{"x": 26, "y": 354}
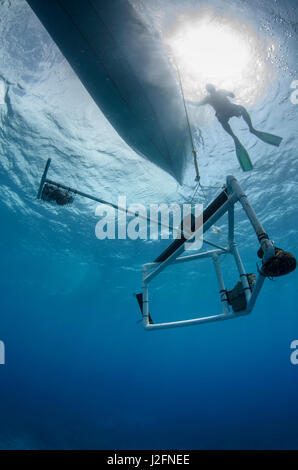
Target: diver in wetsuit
{"x": 219, "y": 100}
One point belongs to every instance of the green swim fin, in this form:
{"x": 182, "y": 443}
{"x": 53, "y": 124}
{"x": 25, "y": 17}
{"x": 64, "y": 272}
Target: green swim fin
{"x": 243, "y": 157}
{"x": 268, "y": 138}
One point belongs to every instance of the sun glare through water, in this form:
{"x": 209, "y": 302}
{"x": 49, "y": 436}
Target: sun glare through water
{"x": 220, "y": 51}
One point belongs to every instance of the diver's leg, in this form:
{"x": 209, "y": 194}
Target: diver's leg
{"x": 225, "y": 124}
{"x": 246, "y": 117}
{"x": 241, "y": 152}
{"x": 264, "y": 136}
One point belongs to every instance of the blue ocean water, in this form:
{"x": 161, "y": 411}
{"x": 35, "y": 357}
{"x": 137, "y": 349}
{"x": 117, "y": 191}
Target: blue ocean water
{"x": 80, "y": 371}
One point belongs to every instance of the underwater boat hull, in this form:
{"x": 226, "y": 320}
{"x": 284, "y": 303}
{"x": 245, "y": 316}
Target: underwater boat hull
{"x": 125, "y": 70}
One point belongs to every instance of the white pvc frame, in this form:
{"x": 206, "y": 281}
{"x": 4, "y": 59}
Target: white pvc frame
{"x": 151, "y": 270}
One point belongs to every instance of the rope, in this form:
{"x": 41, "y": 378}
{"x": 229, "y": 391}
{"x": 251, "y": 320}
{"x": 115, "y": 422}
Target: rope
{"x": 193, "y": 150}
{"x": 203, "y": 188}
{"x": 195, "y": 192}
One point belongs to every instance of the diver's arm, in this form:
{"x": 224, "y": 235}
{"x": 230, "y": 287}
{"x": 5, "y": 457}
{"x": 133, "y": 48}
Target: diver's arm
{"x": 199, "y": 103}
{"x": 202, "y": 102}
{"x": 230, "y": 94}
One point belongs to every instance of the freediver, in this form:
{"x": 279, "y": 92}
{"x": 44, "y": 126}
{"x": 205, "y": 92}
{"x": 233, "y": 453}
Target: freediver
{"x": 224, "y": 110}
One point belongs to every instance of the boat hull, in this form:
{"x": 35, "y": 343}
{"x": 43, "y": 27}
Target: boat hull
{"x": 123, "y": 67}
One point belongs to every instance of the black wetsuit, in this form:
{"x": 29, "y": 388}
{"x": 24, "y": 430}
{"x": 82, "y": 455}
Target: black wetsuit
{"x": 224, "y": 109}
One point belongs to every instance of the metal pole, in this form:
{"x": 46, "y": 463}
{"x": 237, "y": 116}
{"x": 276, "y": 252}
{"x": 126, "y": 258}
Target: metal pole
{"x": 183, "y": 259}
{"x": 102, "y": 201}
{"x": 231, "y": 222}
{"x": 255, "y": 293}
{"x": 263, "y": 238}
{"x": 231, "y": 200}
{"x": 43, "y": 178}
{"x": 145, "y": 305}
{"x": 243, "y": 276}
{"x": 222, "y": 287}
{"x": 194, "y": 321}
{"x": 205, "y": 254}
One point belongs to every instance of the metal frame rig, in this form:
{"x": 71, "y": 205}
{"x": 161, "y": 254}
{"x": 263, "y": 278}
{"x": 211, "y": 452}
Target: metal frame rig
{"x": 237, "y": 302}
